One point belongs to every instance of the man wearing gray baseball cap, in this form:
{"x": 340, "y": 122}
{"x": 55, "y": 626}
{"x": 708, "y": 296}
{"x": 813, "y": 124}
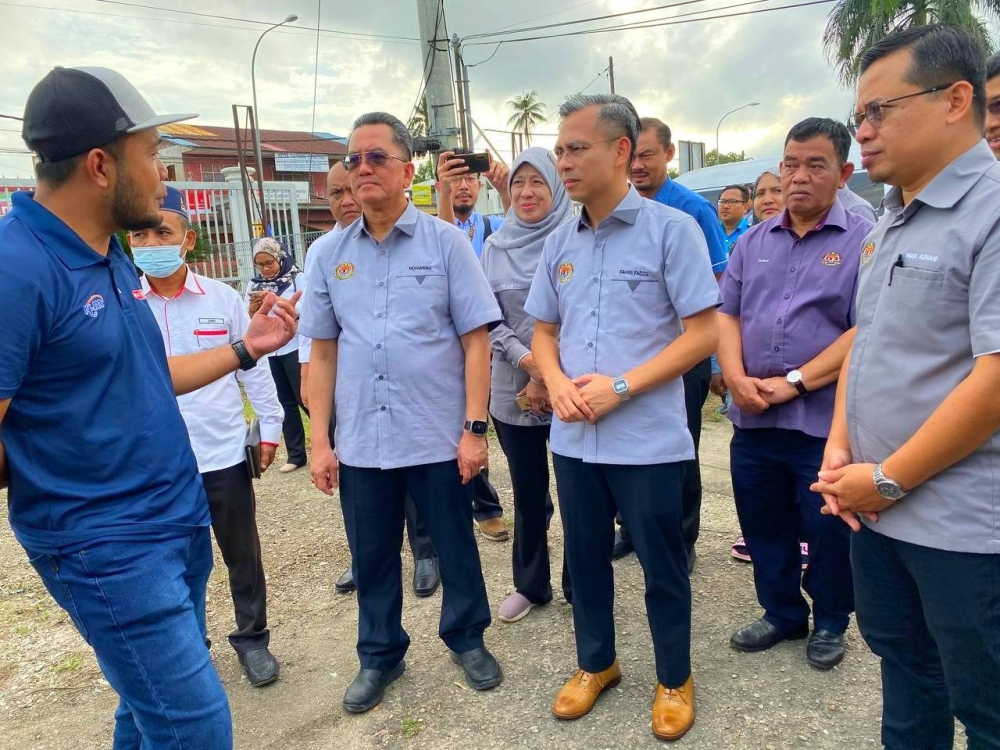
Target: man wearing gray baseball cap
{"x": 105, "y": 495}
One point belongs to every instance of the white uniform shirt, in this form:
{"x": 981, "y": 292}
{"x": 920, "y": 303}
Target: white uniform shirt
{"x": 315, "y": 250}
{"x": 207, "y": 314}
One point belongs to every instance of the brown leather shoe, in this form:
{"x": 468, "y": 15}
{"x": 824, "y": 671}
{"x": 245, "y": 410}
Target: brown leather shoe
{"x": 580, "y": 694}
{"x": 673, "y": 710}
{"x": 495, "y": 529}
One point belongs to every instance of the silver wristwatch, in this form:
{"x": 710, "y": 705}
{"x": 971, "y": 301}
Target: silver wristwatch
{"x": 890, "y": 489}
{"x": 620, "y": 386}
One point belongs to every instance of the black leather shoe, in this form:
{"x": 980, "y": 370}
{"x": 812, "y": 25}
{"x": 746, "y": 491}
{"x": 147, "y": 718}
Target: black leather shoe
{"x": 261, "y": 667}
{"x": 345, "y": 584}
{"x": 761, "y": 635}
{"x": 825, "y": 649}
{"x": 368, "y": 688}
{"x": 482, "y": 671}
{"x": 426, "y": 576}
{"x": 623, "y": 544}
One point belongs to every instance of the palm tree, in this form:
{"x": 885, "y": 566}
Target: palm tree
{"x": 527, "y": 113}
{"x": 418, "y": 123}
{"x": 856, "y": 25}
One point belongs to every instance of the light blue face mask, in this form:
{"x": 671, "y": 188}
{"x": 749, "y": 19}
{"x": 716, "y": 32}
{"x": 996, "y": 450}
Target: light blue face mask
{"x": 158, "y": 262}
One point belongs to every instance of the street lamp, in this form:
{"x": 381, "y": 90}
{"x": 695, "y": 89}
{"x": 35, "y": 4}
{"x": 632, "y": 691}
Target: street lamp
{"x": 751, "y": 104}
{"x": 256, "y": 118}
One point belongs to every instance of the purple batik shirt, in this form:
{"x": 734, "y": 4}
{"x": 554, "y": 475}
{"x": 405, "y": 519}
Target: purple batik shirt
{"x": 793, "y": 297}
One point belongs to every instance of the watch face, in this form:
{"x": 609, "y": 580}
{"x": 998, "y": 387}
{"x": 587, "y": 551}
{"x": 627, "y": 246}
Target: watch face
{"x": 794, "y": 377}
{"x": 620, "y": 386}
{"x": 889, "y": 490}
{"x": 478, "y": 428}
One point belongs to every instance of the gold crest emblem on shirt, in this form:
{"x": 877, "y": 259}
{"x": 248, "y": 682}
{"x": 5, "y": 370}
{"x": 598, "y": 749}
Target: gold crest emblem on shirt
{"x": 831, "y": 259}
{"x": 867, "y": 253}
{"x": 344, "y": 271}
{"x": 565, "y": 272}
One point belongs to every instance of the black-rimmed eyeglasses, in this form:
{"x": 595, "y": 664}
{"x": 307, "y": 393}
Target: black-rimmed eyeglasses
{"x": 873, "y": 110}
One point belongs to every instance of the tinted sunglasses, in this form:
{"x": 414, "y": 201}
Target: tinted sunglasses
{"x": 375, "y": 159}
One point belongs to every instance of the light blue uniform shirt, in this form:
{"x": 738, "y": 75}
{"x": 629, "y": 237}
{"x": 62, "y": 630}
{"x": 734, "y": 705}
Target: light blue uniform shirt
{"x": 397, "y": 309}
{"x": 619, "y": 294}
{"x": 475, "y": 229}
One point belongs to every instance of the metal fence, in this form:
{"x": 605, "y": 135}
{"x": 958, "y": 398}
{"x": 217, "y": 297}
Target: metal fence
{"x": 225, "y": 259}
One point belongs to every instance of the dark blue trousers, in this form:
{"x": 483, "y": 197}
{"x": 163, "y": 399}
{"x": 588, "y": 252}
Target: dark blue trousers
{"x": 772, "y": 470}
{"x": 649, "y": 499}
{"x": 373, "y": 504}
{"x": 933, "y": 617}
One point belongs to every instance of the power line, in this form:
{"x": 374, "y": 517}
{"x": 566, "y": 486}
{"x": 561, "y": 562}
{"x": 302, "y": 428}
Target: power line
{"x": 182, "y": 23}
{"x": 473, "y": 65}
{"x": 659, "y": 23}
{"x": 251, "y": 20}
{"x": 12, "y": 117}
{"x": 605, "y": 17}
{"x": 549, "y": 15}
{"x": 429, "y": 57}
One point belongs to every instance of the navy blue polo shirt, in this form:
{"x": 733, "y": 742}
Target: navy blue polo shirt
{"x": 96, "y": 446}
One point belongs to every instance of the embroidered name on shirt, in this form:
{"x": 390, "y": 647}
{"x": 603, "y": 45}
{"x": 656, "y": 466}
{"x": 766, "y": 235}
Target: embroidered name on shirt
{"x": 627, "y": 272}
{"x": 212, "y": 321}
{"x": 763, "y": 260}
{"x": 421, "y": 268}
{"x": 93, "y": 305}
{"x": 921, "y": 257}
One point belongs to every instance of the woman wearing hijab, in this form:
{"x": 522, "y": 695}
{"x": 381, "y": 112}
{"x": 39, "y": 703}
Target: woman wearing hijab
{"x": 277, "y": 272}
{"x": 539, "y": 204}
{"x": 767, "y": 198}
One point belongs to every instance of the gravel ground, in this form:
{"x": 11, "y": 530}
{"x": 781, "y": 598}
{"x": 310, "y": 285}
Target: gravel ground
{"x": 52, "y": 695}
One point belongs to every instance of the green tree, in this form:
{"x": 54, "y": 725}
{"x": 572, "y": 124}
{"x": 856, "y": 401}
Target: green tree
{"x": 418, "y": 123}
{"x": 424, "y": 172}
{"x": 527, "y": 112}
{"x": 856, "y": 25}
{"x": 202, "y": 245}
{"x": 712, "y": 158}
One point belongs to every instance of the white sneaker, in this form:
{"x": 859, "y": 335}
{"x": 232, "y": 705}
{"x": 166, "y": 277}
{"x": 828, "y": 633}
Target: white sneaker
{"x": 289, "y": 468}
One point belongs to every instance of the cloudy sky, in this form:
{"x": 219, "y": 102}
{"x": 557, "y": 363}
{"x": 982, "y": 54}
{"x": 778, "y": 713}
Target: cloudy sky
{"x": 688, "y": 74}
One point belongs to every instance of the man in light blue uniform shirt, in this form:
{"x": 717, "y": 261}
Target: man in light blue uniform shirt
{"x": 649, "y": 176}
{"x": 625, "y": 302}
{"x": 398, "y": 309}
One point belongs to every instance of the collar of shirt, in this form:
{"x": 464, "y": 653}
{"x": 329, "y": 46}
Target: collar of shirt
{"x": 55, "y": 234}
{"x": 950, "y": 185}
{"x": 406, "y": 223}
{"x": 190, "y": 285}
{"x": 743, "y": 226}
{"x": 626, "y": 211}
{"x": 836, "y": 216}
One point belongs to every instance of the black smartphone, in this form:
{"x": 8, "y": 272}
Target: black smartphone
{"x": 477, "y": 163}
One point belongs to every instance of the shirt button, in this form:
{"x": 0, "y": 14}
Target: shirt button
{"x": 378, "y": 346}
{"x": 590, "y": 344}
{"x": 594, "y": 279}
{"x": 779, "y": 320}
{"x": 379, "y": 315}
{"x": 381, "y": 283}
{"x": 593, "y": 313}
{"x": 381, "y": 408}
{"x": 381, "y": 252}
{"x": 793, "y": 270}
{"x": 787, "y": 296}
{"x": 777, "y": 348}
{"x": 381, "y": 377}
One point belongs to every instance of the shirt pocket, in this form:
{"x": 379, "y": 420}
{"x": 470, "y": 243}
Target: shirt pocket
{"x": 211, "y": 336}
{"x": 915, "y": 288}
{"x": 629, "y": 307}
{"x": 418, "y": 302}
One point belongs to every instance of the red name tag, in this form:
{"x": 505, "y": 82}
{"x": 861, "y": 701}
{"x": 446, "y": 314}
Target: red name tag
{"x": 211, "y": 333}
{"x": 138, "y": 294}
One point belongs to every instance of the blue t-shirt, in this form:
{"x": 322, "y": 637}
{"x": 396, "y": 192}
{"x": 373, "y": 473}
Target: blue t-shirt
{"x": 732, "y": 237}
{"x": 475, "y": 228}
{"x": 686, "y": 200}
{"x": 95, "y": 442}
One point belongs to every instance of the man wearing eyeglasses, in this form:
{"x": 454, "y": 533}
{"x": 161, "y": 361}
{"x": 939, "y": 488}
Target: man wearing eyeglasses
{"x": 788, "y": 306}
{"x": 734, "y": 202}
{"x": 625, "y": 302}
{"x": 914, "y": 450}
{"x": 398, "y": 310}
{"x": 993, "y": 103}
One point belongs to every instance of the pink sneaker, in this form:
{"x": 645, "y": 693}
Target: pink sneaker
{"x": 515, "y": 607}
{"x": 804, "y": 551}
{"x": 740, "y": 551}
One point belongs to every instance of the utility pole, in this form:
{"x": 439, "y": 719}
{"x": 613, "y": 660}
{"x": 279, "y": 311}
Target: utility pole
{"x": 611, "y": 73}
{"x": 438, "y": 90}
{"x": 460, "y": 89}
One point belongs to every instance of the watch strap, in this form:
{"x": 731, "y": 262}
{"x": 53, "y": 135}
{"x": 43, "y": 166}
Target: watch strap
{"x": 247, "y": 362}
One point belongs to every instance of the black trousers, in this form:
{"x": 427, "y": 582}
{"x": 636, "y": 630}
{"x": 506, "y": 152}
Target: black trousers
{"x": 696, "y": 387}
{"x": 528, "y": 459}
{"x": 287, "y": 371}
{"x": 649, "y": 498}
{"x": 485, "y": 500}
{"x": 416, "y": 530}
{"x": 373, "y": 502}
{"x": 233, "y": 506}
{"x": 933, "y": 617}
{"x": 772, "y": 470}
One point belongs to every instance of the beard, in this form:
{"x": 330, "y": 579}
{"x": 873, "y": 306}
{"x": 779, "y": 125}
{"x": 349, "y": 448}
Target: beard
{"x": 130, "y": 209}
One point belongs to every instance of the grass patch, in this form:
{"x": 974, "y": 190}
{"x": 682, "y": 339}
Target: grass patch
{"x": 69, "y": 663}
{"x": 411, "y": 727}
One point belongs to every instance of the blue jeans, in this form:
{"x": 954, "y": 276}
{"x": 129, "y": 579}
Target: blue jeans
{"x": 933, "y": 617}
{"x": 141, "y": 607}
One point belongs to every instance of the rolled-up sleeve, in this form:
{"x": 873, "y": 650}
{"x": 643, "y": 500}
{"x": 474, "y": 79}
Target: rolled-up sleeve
{"x": 470, "y": 299}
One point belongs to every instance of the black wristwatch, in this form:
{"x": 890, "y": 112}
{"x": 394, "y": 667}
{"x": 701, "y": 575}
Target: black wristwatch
{"x": 246, "y": 361}
{"x": 476, "y": 427}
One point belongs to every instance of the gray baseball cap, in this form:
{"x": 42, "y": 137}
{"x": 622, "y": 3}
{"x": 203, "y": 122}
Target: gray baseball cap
{"x": 73, "y": 110}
